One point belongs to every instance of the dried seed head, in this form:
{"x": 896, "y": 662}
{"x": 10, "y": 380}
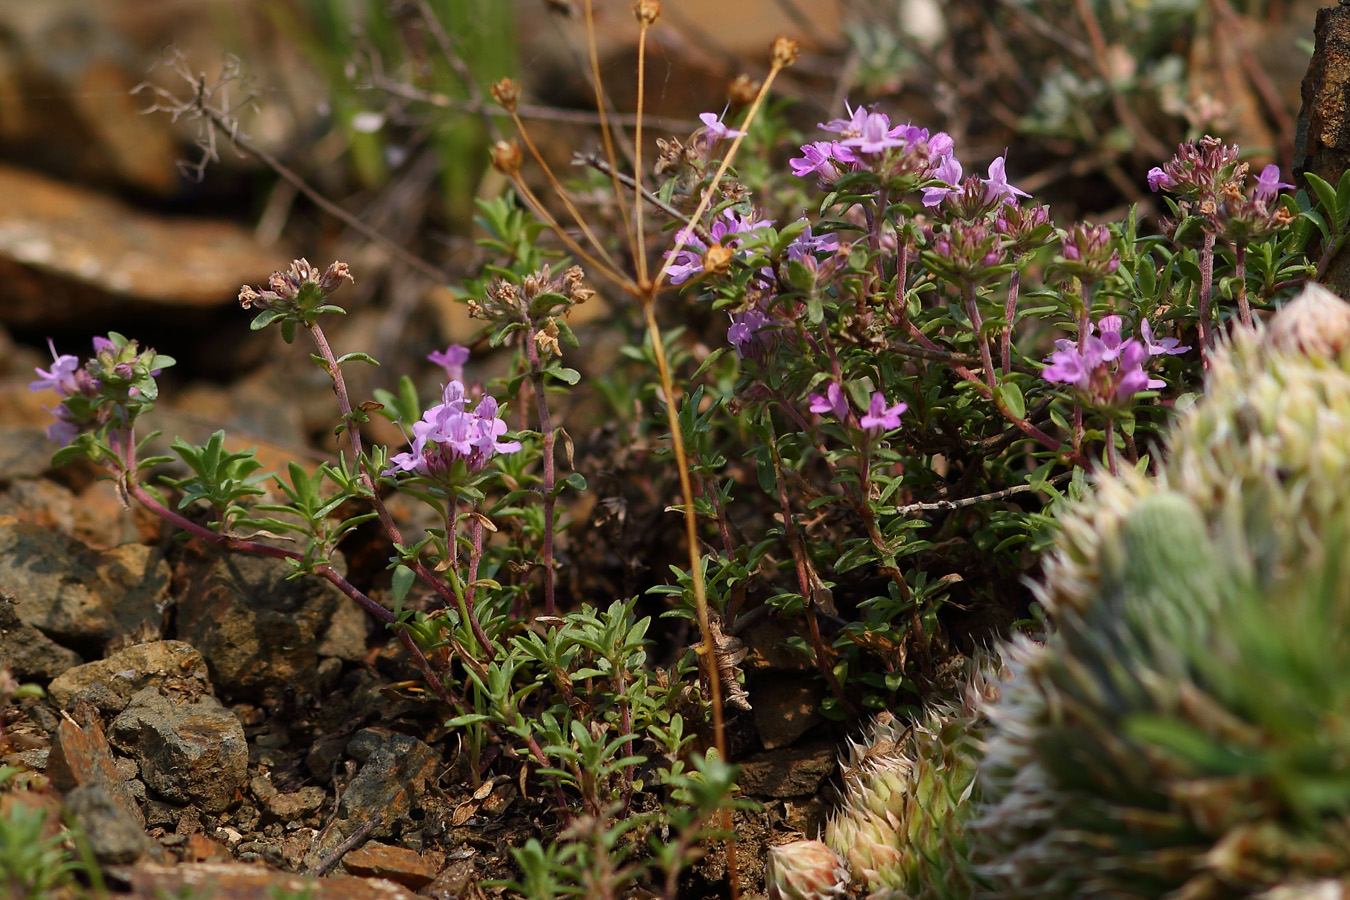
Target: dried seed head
{"x": 717, "y": 259}
{"x": 743, "y": 90}
{"x": 507, "y": 93}
{"x": 507, "y": 157}
{"x": 647, "y": 12}
{"x": 785, "y": 52}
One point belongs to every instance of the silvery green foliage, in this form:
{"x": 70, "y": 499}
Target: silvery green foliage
{"x": 1185, "y": 730}
{"x": 909, "y": 791}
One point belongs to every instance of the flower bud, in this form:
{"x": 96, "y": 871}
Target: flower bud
{"x": 805, "y": 870}
{"x": 507, "y": 157}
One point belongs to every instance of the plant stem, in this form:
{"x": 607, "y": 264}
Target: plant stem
{"x": 548, "y": 437}
{"x": 976, "y": 322}
{"x": 1206, "y": 288}
{"x": 1009, "y": 313}
{"x": 368, "y": 482}
{"x": 1244, "y": 308}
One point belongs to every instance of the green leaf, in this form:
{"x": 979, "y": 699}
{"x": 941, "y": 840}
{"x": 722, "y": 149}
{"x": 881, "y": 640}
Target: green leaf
{"x": 1010, "y": 395}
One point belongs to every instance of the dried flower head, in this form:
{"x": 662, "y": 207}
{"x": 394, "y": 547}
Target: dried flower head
{"x": 507, "y": 94}
{"x": 785, "y": 52}
{"x": 647, "y": 12}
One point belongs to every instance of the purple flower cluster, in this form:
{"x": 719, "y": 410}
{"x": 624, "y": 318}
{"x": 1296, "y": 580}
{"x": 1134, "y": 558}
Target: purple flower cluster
{"x": 972, "y": 196}
{"x": 868, "y": 141}
{"x": 111, "y": 388}
{"x": 726, "y": 232}
{"x": 878, "y": 419}
{"x": 451, "y": 432}
{"x": 1108, "y": 368}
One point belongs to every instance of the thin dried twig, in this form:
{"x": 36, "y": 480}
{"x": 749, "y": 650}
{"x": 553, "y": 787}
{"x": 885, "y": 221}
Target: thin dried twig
{"x": 209, "y": 104}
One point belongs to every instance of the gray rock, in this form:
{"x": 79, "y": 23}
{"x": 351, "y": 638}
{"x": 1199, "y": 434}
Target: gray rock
{"x": 72, "y": 593}
{"x": 189, "y": 751}
{"x": 114, "y": 837}
{"x": 257, "y": 630}
{"x": 395, "y": 772}
{"x": 28, "y": 652}
{"x": 170, "y": 666}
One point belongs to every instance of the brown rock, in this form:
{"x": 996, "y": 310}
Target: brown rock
{"x": 236, "y": 881}
{"x": 785, "y": 707}
{"x": 71, "y": 592}
{"x": 796, "y": 772}
{"x": 200, "y": 848}
{"x": 110, "y": 683}
{"x": 67, "y": 253}
{"x": 257, "y": 630}
{"x": 81, "y": 757}
{"x": 398, "y": 864}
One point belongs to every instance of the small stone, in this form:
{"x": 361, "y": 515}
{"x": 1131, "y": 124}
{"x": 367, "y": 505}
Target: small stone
{"x": 453, "y": 883}
{"x": 171, "y": 666}
{"x": 189, "y": 751}
{"x": 396, "y": 770}
{"x": 114, "y": 836}
{"x": 293, "y": 806}
{"x": 398, "y": 864}
{"x": 785, "y": 707}
{"x": 81, "y": 757}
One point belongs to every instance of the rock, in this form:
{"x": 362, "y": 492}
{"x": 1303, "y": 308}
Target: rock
{"x": 73, "y": 593}
{"x": 170, "y": 666}
{"x": 24, "y": 453}
{"x": 28, "y": 652}
{"x": 794, "y": 772}
{"x": 398, "y": 864}
{"x": 345, "y": 637}
{"x": 81, "y": 757}
{"x": 287, "y": 807}
{"x": 453, "y": 883}
{"x": 257, "y": 631}
{"x": 189, "y": 751}
{"x": 235, "y": 881}
{"x": 396, "y": 769}
{"x": 71, "y": 254}
{"x": 113, "y": 835}
{"x": 785, "y": 707}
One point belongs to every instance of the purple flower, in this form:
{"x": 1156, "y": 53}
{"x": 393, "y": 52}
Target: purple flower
{"x": 1168, "y": 345}
{"x": 688, "y": 260}
{"x": 1268, "y": 183}
{"x": 849, "y": 127}
{"x": 880, "y": 417}
{"x": 1158, "y": 179}
{"x": 61, "y": 376}
{"x": 1107, "y": 371}
{"x": 714, "y": 129}
{"x": 821, "y": 158}
{"x": 808, "y": 244}
{"x": 452, "y": 359}
{"x": 832, "y": 402}
{"x": 449, "y": 432}
{"x": 744, "y": 333}
{"x": 875, "y": 135}
{"x": 949, "y": 171}
{"x": 997, "y": 183}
